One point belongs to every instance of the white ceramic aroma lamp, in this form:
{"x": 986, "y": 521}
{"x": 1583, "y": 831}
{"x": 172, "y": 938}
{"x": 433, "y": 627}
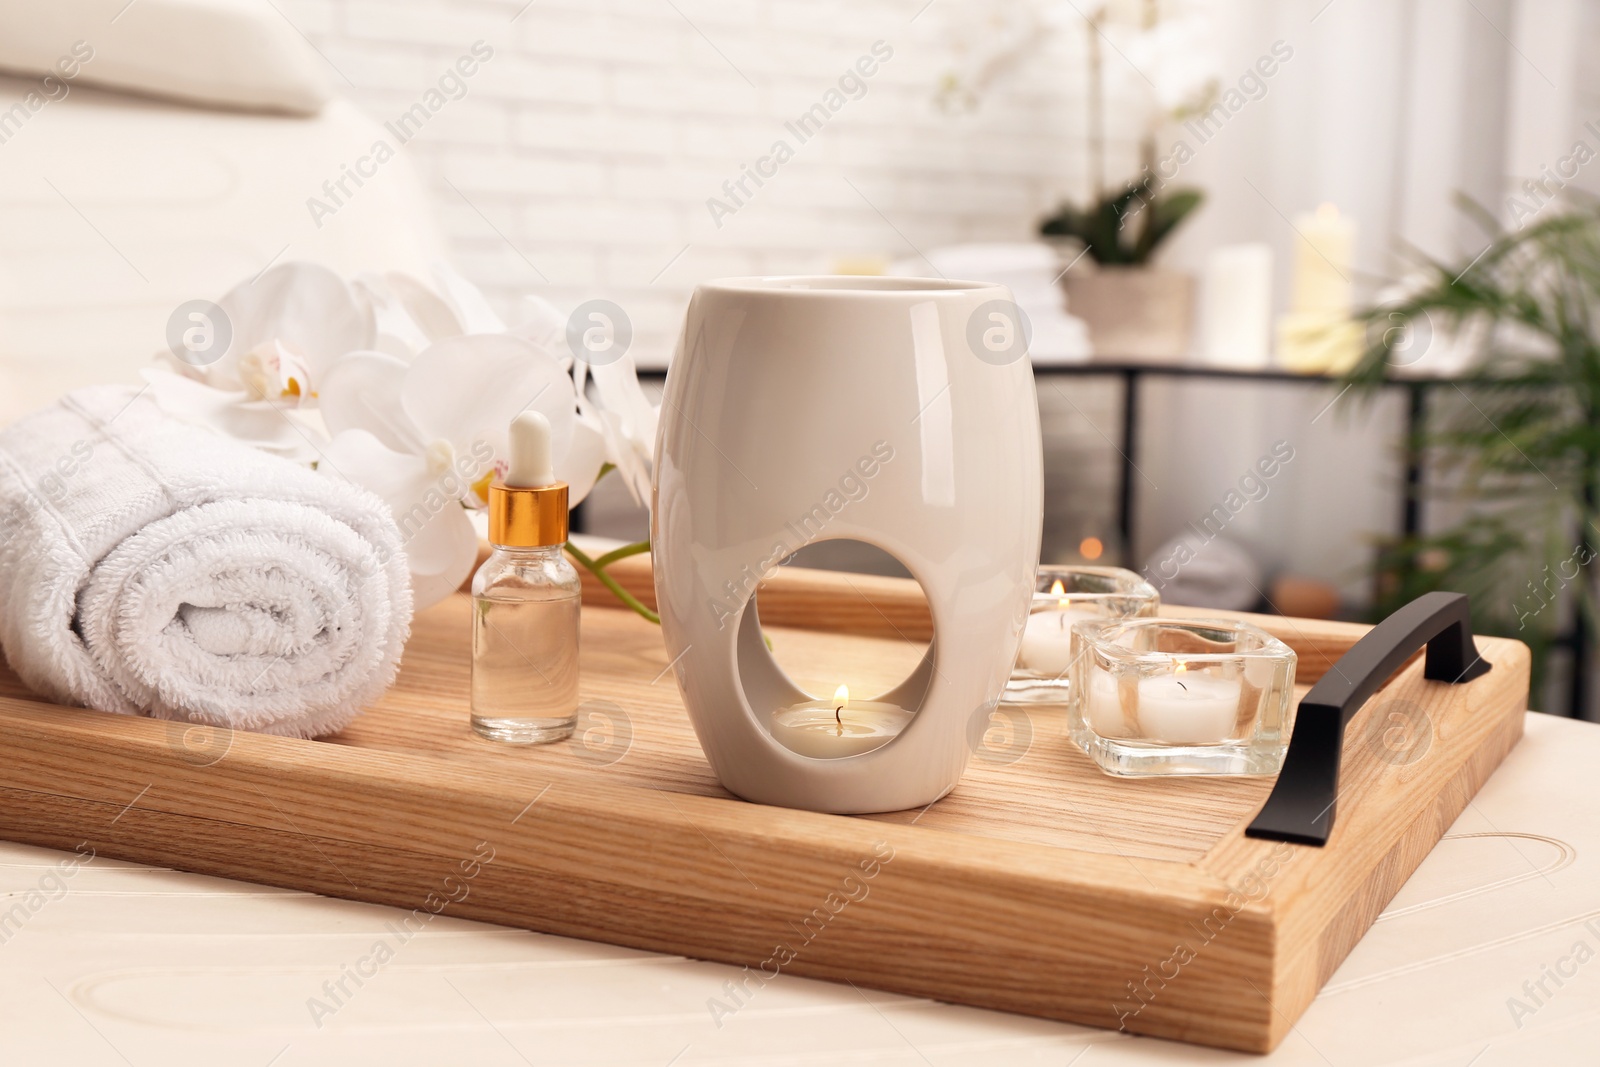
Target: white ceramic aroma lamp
{"x": 899, "y": 412}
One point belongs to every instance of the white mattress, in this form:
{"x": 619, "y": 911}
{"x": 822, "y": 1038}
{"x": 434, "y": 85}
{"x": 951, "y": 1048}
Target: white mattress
{"x": 116, "y": 209}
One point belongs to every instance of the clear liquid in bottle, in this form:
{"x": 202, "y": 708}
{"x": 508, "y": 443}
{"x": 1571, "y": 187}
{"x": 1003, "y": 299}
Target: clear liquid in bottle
{"x": 525, "y": 646}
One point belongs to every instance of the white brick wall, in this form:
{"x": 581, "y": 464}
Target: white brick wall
{"x": 595, "y": 135}
{"x": 593, "y": 138}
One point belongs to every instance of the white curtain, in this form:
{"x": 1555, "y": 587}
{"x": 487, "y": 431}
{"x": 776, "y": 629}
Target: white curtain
{"x": 1387, "y": 109}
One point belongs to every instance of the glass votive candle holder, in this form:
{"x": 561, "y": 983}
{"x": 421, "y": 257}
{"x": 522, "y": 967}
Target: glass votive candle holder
{"x": 1181, "y": 696}
{"x": 1063, "y": 596}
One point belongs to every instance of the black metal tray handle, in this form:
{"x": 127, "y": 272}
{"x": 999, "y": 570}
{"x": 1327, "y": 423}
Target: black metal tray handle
{"x": 1301, "y": 807}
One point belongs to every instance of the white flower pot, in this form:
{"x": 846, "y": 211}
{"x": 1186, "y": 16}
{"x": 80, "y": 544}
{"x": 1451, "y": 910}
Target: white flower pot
{"x": 899, "y": 412}
{"x": 1139, "y": 314}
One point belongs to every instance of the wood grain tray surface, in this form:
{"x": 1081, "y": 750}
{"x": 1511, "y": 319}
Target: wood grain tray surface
{"x": 1040, "y": 885}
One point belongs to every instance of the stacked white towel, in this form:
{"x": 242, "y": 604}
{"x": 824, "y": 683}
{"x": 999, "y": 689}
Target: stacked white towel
{"x": 150, "y": 567}
{"x": 1032, "y": 271}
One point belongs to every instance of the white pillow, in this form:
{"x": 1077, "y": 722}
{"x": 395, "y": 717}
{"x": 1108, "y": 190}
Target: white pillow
{"x": 237, "y": 54}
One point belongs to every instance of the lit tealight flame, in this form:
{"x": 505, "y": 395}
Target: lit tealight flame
{"x": 1056, "y": 590}
{"x": 1091, "y": 548}
{"x": 1177, "y": 672}
{"x": 841, "y": 695}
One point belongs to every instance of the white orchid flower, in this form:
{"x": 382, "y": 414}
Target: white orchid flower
{"x": 626, "y": 418}
{"x": 428, "y": 436}
{"x": 987, "y": 43}
{"x": 395, "y": 331}
{"x": 286, "y": 328}
{"x": 467, "y": 302}
{"x": 541, "y": 324}
{"x": 408, "y": 389}
{"x": 290, "y": 432}
{"x": 1180, "y": 59}
{"x": 410, "y": 314}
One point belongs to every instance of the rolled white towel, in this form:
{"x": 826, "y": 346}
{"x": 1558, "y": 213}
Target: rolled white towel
{"x": 151, "y": 567}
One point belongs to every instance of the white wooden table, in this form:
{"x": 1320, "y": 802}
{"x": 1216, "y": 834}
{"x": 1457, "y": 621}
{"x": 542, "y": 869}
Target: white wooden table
{"x": 113, "y": 963}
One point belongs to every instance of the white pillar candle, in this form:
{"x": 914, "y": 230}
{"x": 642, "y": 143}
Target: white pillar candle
{"x": 1317, "y": 335}
{"x": 1237, "y": 297}
{"x": 1188, "y": 707}
{"x": 1323, "y": 250}
{"x": 829, "y": 729}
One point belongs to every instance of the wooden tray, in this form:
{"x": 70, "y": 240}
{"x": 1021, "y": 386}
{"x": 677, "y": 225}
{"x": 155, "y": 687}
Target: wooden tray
{"x": 1039, "y": 886}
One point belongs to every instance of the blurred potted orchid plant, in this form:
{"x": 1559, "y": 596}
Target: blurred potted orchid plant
{"x": 407, "y": 389}
{"x": 1159, "y": 58}
{"x": 1517, "y": 329}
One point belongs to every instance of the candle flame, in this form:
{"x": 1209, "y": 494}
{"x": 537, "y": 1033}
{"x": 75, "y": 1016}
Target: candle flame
{"x": 841, "y": 695}
{"x": 1056, "y": 588}
{"x": 1181, "y": 667}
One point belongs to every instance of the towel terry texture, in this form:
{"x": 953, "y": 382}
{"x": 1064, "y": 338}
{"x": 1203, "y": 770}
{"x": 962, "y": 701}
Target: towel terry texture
{"x": 151, "y": 567}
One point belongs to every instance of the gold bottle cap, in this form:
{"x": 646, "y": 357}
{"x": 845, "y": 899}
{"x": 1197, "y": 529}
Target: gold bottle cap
{"x": 528, "y": 518}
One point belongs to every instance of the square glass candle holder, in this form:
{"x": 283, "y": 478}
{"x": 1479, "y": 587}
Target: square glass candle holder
{"x": 1063, "y": 596}
{"x": 1181, "y": 696}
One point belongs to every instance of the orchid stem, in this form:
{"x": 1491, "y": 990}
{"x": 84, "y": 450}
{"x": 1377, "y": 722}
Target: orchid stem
{"x": 597, "y": 567}
{"x": 622, "y": 553}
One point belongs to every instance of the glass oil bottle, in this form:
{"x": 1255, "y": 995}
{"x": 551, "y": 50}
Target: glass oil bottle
{"x": 525, "y": 602}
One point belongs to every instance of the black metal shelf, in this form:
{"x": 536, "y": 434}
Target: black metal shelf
{"x": 1132, "y": 374}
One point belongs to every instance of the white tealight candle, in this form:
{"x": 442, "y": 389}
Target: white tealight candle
{"x": 829, "y": 729}
{"x": 1047, "y": 638}
{"x": 1188, "y": 707}
{"x": 1104, "y": 706}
